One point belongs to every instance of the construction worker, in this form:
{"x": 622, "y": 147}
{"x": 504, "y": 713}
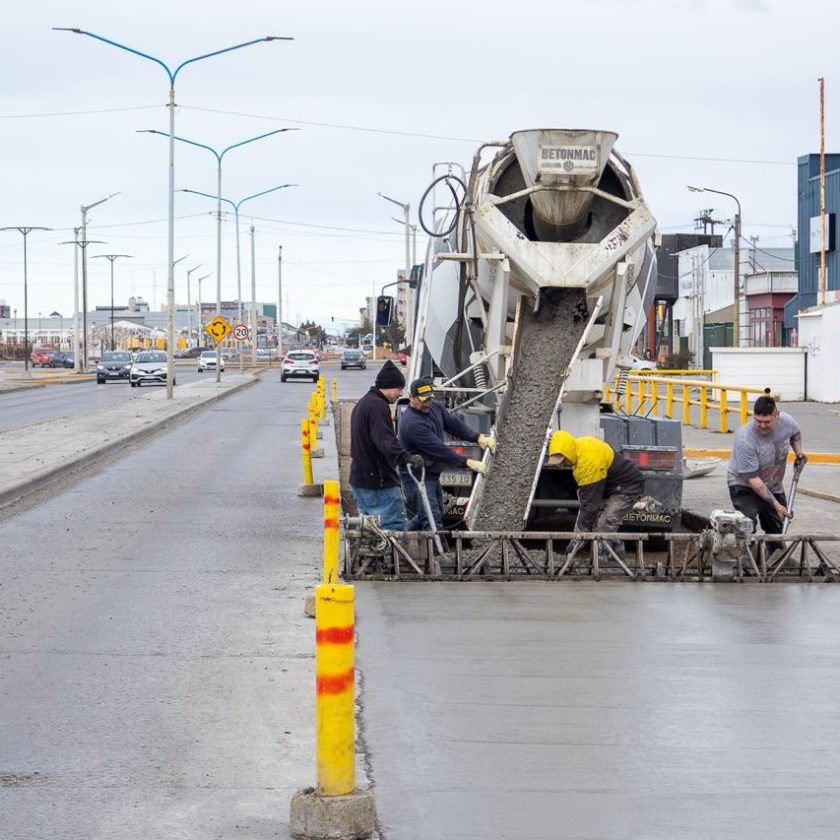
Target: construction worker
{"x": 421, "y": 431}
{"x": 376, "y": 453}
{"x": 608, "y": 484}
{"x": 757, "y": 466}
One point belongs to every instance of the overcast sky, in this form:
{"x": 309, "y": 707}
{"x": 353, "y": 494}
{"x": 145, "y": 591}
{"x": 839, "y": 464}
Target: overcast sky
{"x": 719, "y": 93}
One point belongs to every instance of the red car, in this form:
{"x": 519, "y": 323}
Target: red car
{"x": 42, "y": 356}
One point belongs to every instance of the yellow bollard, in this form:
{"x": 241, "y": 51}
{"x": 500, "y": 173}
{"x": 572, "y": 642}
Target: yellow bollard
{"x": 332, "y": 513}
{"x": 744, "y": 410}
{"x": 704, "y": 407}
{"x": 334, "y": 390}
{"x": 322, "y": 402}
{"x": 724, "y": 411}
{"x": 335, "y": 689}
{"x": 669, "y": 400}
{"x": 306, "y": 451}
{"x": 313, "y": 428}
{"x": 686, "y": 406}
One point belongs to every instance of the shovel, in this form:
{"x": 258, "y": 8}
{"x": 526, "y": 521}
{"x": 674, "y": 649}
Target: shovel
{"x": 424, "y": 497}
{"x": 797, "y": 470}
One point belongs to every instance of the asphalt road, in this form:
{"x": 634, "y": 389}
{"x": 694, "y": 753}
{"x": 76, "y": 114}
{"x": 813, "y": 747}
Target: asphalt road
{"x": 156, "y": 676}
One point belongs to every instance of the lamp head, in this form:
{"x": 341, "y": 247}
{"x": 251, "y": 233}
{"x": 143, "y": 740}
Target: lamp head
{"x": 695, "y": 189}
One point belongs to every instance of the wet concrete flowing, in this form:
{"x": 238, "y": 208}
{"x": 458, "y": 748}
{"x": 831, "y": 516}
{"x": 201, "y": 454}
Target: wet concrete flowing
{"x": 543, "y": 348}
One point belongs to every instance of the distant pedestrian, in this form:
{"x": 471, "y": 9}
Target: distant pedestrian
{"x": 376, "y": 453}
{"x": 421, "y": 431}
{"x": 757, "y": 466}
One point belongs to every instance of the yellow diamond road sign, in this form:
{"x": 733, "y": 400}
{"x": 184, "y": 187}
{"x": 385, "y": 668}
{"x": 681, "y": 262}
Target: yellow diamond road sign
{"x": 218, "y": 328}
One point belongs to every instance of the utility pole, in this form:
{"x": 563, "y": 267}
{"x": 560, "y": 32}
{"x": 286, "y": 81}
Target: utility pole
{"x": 253, "y": 323}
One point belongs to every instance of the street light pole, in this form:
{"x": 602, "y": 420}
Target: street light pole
{"x": 219, "y": 156}
{"x": 280, "y": 304}
{"x": 736, "y": 253}
{"x": 172, "y": 75}
{"x": 189, "y": 306}
{"x": 111, "y": 258}
{"x": 406, "y": 208}
{"x": 200, "y": 322}
{"x": 236, "y": 205}
{"x": 25, "y": 231}
{"x": 84, "y": 209}
{"x": 80, "y": 338}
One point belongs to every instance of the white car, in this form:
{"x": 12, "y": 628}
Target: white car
{"x": 148, "y": 366}
{"x": 300, "y": 364}
{"x": 207, "y": 361}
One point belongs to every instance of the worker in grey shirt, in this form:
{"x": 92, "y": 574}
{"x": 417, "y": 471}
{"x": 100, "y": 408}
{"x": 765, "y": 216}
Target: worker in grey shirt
{"x": 757, "y": 465}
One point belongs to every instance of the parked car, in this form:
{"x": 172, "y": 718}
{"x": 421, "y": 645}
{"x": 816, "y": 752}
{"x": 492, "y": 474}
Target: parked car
{"x": 69, "y": 360}
{"x": 300, "y": 364}
{"x": 207, "y": 361}
{"x": 148, "y": 366}
{"x": 191, "y": 352}
{"x": 58, "y": 359}
{"x": 113, "y": 365}
{"x": 42, "y": 356}
{"x": 353, "y": 358}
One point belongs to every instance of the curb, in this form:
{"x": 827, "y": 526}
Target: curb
{"x": 723, "y": 454}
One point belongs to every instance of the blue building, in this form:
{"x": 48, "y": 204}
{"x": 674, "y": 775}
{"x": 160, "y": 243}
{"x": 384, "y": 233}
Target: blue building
{"x": 808, "y": 237}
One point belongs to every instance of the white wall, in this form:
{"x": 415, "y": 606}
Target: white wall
{"x": 781, "y": 369}
{"x": 819, "y": 337}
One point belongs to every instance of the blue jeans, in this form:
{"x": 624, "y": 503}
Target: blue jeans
{"x": 414, "y": 504}
{"x": 387, "y": 503}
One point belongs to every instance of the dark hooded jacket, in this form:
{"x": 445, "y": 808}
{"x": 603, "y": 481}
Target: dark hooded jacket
{"x": 374, "y": 449}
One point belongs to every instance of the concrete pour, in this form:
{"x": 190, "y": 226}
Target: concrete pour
{"x": 544, "y": 345}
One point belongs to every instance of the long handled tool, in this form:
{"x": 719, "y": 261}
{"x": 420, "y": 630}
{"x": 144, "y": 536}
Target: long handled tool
{"x": 797, "y": 471}
{"x": 427, "y": 507}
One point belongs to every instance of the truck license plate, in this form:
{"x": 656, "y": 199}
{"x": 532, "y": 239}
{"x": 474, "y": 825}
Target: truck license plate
{"x": 456, "y": 479}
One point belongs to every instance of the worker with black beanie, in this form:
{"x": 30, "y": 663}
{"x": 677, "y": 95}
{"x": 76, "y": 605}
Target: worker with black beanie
{"x": 376, "y": 454}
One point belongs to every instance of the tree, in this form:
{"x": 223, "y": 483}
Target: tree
{"x": 317, "y": 335}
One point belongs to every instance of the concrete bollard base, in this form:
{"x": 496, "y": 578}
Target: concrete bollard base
{"x": 309, "y": 605}
{"x": 310, "y": 490}
{"x": 316, "y": 453}
{"x": 317, "y": 817}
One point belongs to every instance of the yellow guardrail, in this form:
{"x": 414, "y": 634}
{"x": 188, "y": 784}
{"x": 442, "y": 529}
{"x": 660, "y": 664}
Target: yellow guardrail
{"x": 642, "y": 392}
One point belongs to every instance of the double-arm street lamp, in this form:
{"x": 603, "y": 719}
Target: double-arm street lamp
{"x": 111, "y": 258}
{"x": 236, "y": 205}
{"x": 219, "y": 157}
{"x": 172, "y": 75}
{"x": 200, "y": 322}
{"x": 25, "y": 231}
{"x": 736, "y": 253}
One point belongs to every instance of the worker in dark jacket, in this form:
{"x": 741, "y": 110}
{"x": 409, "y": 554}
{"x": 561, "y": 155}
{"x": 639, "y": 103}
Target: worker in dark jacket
{"x": 608, "y": 483}
{"x": 376, "y": 453}
{"x": 421, "y": 431}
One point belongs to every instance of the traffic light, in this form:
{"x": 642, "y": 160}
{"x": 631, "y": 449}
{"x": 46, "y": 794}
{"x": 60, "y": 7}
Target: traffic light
{"x": 384, "y": 310}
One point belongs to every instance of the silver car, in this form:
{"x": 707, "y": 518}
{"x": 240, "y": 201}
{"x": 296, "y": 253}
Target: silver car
{"x": 149, "y": 366}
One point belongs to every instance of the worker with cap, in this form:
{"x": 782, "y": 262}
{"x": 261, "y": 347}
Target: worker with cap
{"x": 376, "y": 453}
{"x": 421, "y": 432}
{"x": 608, "y": 483}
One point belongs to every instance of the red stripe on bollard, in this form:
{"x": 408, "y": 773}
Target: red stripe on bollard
{"x": 331, "y": 523}
{"x": 331, "y": 500}
{"x": 334, "y": 683}
{"x": 335, "y": 635}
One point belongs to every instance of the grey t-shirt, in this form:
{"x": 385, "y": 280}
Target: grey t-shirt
{"x": 754, "y": 454}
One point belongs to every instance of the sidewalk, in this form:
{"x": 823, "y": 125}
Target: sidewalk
{"x": 32, "y": 456}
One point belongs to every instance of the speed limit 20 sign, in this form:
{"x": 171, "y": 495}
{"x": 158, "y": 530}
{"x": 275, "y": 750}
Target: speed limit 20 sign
{"x": 240, "y": 332}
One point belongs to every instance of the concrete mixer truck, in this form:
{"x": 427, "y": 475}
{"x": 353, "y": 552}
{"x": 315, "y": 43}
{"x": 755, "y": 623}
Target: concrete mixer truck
{"x": 539, "y": 275}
